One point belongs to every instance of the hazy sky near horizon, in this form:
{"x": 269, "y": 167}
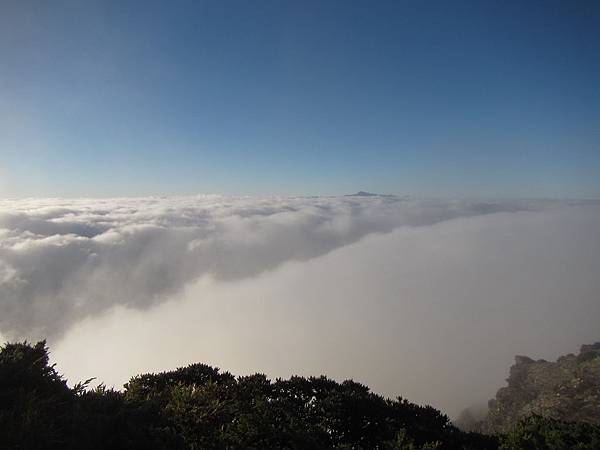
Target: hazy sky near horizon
{"x": 464, "y": 98}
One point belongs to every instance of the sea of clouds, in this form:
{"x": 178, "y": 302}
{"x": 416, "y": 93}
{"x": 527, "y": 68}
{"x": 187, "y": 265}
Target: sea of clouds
{"x": 63, "y": 260}
{"x": 429, "y": 299}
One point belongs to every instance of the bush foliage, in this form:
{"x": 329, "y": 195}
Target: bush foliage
{"x": 200, "y": 407}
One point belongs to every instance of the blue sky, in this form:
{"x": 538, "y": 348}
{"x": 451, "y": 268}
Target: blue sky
{"x": 481, "y": 98}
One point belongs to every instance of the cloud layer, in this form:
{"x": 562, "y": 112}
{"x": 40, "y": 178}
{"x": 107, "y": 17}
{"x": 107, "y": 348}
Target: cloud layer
{"x": 62, "y": 260}
{"x": 423, "y": 298}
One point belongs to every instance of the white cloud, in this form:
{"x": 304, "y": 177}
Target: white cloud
{"x": 63, "y": 260}
{"x": 434, "y": 309}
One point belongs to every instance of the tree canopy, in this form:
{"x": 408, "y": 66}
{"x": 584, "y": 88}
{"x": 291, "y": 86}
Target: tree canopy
{"x": 200, "y": 407}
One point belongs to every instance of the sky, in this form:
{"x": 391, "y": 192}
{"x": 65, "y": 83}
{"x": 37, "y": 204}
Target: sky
{"x": 431, "y": 98}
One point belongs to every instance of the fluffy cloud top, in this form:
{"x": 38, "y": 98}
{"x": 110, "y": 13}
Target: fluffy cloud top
{"x": 62, "y": 260}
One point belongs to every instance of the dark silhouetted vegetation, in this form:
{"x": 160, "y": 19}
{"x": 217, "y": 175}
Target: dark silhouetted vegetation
{"x": 199, "y": 407}
{"x": 540, "y": 433}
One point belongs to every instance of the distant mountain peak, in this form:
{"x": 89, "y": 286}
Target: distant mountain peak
{"x": 363, "y": 194}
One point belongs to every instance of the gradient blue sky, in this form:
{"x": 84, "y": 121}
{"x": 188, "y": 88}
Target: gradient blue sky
{"x": 449, "y": 98}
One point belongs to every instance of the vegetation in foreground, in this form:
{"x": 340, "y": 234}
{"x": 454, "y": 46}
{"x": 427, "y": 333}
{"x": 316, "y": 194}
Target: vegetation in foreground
{"x": 199, "y": 407}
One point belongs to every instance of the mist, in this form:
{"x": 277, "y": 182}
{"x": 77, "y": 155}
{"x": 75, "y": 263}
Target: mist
{"x": 427, "y": 299}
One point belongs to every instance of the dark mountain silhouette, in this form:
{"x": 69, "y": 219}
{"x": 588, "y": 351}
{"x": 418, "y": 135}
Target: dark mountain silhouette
{"x": 368, "y": 194}
{"x": 363, "y": 194}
